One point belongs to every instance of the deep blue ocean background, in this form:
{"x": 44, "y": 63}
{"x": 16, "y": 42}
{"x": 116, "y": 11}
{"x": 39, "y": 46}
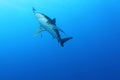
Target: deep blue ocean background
{"x": 93, "y": 54}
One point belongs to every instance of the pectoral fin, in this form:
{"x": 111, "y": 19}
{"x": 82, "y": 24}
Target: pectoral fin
{"x": 39, "y": 30}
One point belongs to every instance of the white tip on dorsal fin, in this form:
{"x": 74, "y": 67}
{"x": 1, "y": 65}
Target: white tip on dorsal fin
{"x": 39, "y": 30}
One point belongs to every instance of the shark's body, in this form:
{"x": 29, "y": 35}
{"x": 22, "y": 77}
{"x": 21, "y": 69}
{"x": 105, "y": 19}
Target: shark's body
{"x": 49, "y": 25}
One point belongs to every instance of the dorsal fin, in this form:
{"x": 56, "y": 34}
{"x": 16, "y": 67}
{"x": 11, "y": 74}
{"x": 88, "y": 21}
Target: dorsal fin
{"x": 54, "y": 21}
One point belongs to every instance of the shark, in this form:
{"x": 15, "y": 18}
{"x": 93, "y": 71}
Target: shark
{"x": 49, "y": 25}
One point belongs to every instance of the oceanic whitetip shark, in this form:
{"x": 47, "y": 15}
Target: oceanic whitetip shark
{"x": 49, "y": 25}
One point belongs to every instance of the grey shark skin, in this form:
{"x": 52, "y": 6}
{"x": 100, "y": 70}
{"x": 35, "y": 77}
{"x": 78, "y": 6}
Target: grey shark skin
{"x": 49, "y": 25}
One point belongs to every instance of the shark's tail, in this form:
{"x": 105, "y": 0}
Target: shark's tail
{"x": 62, "y": 41}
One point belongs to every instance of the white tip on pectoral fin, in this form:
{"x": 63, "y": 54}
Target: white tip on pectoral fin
{"x": 39, "y": 30}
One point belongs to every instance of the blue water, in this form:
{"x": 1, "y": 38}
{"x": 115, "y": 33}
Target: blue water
{"x": 93, "y": 53}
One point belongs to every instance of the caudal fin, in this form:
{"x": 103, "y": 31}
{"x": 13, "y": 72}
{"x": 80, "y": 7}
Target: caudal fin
{"x": 64, "y": 40}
